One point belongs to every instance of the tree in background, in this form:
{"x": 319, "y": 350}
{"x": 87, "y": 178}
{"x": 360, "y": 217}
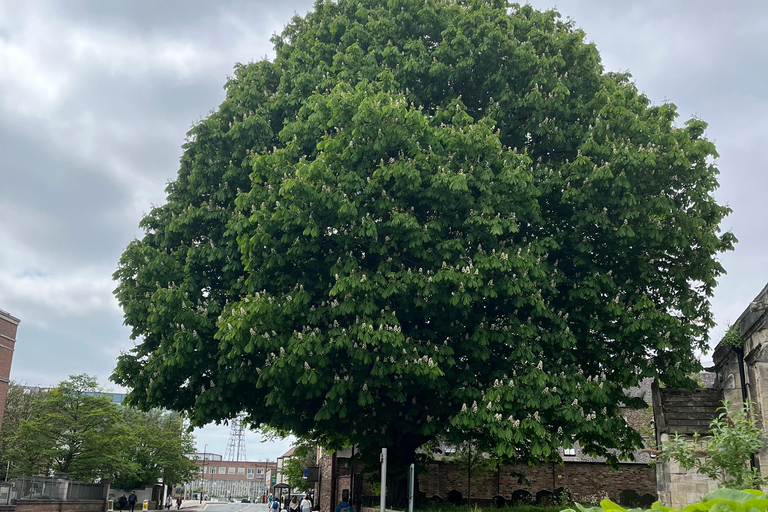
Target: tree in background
{"x": 19, "y": 407}
{"x": 158, "y": 448}
{"x": 473, "y": 461}
{"x": 73, "y": 428}
{"x": 303, "y": 457}
{"x": 427, "y": 218}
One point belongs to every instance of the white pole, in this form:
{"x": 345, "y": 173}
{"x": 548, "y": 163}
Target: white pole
{"x": 383, "y": 502}
{"x": 411, "y": 479}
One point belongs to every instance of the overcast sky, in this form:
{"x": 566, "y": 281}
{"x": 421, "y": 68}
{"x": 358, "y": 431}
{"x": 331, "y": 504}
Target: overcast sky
{"x": 96, "y": 98}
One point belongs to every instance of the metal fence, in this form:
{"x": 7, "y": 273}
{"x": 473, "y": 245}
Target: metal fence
{"x": 41, "y": 488}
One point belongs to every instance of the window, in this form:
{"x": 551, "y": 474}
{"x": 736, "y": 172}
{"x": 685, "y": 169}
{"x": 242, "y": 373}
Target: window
{"x": 231, "y": 471}
{"x": 240, "y": 471}
{"x": 211, "y": 471}
{"x": 250, "y": 473}
{"x": 260, "y": 471}
{"x": 222, "y": 470}
{"x": 569, "y": 452}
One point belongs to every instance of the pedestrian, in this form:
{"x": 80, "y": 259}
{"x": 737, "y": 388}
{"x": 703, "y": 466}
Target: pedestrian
{"x": 305, "y": 504}
{"x": 294, "y": 505}
{"x": 275, "y": 506}
{"x": 132, "y": 499}
{"x": 122, "y": 502}
{"x": 178, "y": 502}
{"x": 168, "y": 502}
{"x": 344, "y": 505}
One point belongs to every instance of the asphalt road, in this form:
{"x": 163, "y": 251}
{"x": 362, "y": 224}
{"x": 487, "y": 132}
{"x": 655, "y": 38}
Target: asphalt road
{"x": 233, "y": 507}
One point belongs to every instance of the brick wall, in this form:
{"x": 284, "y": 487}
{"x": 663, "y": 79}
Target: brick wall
{"x": 323, "y": 487}
{"x": 8, "y": 326}
{"x": 582, "y": 478}
{"x": 59, "y": 506}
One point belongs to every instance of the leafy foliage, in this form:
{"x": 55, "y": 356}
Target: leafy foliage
{"x": 158, "y": 448}
{"x": 473, "y": 461}
{"x": 732, "y": 337}
{"x": 293, "y": 467}
{"x": 427, "y": 218}
{"x": 723, "y": 500}
{"x": 74, "y": 429}
{"x": 724, "y": 455}
{"x": 70, "y": 430}
{"x": 19, "y": 407}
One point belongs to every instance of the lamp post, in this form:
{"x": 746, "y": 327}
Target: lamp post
{"x": 202, "y": 480}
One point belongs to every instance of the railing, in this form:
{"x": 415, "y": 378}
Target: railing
{"x": 43, "y": 488}
{"x": 83, "y": 491}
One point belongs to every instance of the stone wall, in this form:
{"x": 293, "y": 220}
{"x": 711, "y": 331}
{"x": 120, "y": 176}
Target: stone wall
{"x": 677, "y": 486}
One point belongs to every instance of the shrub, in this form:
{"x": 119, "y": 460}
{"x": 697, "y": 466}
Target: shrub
{"x": 722, "y": 500}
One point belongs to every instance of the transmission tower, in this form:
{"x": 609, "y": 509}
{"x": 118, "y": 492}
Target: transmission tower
{"x": 236, "y": 443}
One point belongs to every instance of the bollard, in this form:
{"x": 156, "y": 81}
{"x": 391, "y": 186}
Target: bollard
{"x": 145, "y": 505}
{"x": 110, "y": 505}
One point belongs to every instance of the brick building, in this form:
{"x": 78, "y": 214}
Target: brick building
{"x": 8, "y": 326}
{"x": 237, "y": 479}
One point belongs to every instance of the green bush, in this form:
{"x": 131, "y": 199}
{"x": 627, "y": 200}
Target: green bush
{"x": 723, "y": 500}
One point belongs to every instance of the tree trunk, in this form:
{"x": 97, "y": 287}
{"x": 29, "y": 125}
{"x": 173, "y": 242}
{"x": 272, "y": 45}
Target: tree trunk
{"x": 469, "y": 475}
{"x": 399, "y": 461}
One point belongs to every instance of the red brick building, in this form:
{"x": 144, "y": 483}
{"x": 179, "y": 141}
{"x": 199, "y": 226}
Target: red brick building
{"x": 8, "y": 326}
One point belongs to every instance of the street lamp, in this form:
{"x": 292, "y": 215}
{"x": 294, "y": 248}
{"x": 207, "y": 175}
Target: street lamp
{"x": 202, "y": 480}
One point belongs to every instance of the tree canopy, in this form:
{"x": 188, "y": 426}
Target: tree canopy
{"x": 427, "y": 218}
{"x": 74, "y": 428}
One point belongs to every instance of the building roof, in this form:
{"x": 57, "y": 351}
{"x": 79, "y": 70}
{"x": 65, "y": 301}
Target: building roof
{"x": 289, "y": 452}
{"x": 685, "y": 411}
{"x": 9, "y": 317}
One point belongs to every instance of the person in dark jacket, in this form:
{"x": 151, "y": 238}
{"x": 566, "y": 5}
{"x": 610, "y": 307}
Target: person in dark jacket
{"x": 132, "y": 499}
{"x": 122, "y": 502}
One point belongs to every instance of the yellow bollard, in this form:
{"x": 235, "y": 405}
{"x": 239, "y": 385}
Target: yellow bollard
{"x": 145, "y": 505}
{"x": 110, "y": 505}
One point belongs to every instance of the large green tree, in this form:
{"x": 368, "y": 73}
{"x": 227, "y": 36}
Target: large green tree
{"x": 422, "y": 218}
{"x": 19, "y": 407}
{"x": 158, "y": 447}
{"x": 75, "y": 428}
{"x": 71, "y": 429}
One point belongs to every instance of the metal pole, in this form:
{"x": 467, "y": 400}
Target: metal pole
{"x": 383, "y": 501}
{"x": 202, "y": 480}
{"x": 411, "y": 479}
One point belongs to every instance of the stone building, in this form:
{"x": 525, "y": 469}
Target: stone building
{"x": 8, "y": 326}
{"x": 739, "y": 374}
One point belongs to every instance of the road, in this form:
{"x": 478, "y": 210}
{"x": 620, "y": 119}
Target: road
{"x": 222, "y": 506}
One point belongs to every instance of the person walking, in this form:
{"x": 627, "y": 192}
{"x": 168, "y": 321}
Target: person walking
{"x": 178, "y": 502}
{"x": 132, "y": 499}
{"x": 168, "y": 502}
{"x": 344, "y": 505}
{"x": 293, "y": 506}
{"x": 275, "y": 506}
{"x": 305, "y": 504}
{"x": 122, "y": 502}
